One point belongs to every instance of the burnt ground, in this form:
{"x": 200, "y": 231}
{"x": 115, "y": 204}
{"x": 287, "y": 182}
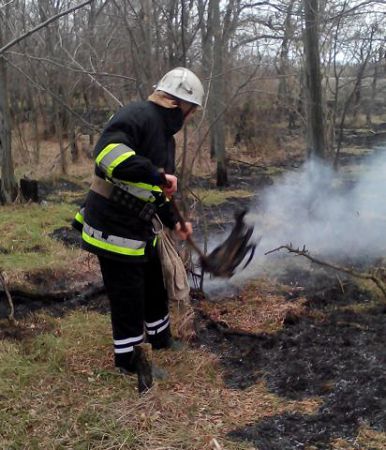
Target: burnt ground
{"x": 334, "y": 351}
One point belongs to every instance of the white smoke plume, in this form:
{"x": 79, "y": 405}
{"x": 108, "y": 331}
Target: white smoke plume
{"x": 325, "y": 211}
{"x": 315, "y": 207}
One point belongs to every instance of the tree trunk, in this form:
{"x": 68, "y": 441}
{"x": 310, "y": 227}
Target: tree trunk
{"x": 8, "y": 187}
{"x": 34, "y": 120}
{"x": 218, "y": 94}
{"x": 316, "y": 140}
{"x": 59, "y": 133}
{"x": 284, "y": 64}
{"x": 358, "y": 81}
{"x": 357, "y": 102}
{"x": 374, "y": 83}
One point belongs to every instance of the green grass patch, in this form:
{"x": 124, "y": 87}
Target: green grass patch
{"x": 214, "y": 197}
{"x": 272, "y": 171}
{"x": 26, "y": 243}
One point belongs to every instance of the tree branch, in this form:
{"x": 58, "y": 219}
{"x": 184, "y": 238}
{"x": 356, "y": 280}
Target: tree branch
{"x": 73, "y": 69}
{"x": 42, "y": 25}
{"x": 54, "y": 96}
{"x": 109, "y": 93}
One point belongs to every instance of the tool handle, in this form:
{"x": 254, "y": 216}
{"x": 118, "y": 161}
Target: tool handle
{"x": 178, "y": 214}
{"x": 190, "y": 240}
{"x": 180, "y": 217}
{"x": 166, "y": 183}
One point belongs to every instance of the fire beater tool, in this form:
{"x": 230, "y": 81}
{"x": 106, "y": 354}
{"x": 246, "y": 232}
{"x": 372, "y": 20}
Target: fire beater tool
{"x": 226, "y": 257}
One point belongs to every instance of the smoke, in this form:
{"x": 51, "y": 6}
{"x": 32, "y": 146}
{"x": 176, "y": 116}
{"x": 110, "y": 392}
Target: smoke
{"x": 339, "y": 216}
{"x": 326, "y": 212}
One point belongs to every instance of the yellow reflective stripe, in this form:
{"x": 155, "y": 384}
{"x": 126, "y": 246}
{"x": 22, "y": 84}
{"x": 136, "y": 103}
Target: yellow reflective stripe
{"x": 104, "y": 152}
{"x": 142, "y": 191}
{"x": 117, "y": 161}
{"x": 145, "y": 186}
{"x": 79, "y": 218}
{"x": 148, "y": 187}
{"x": 111, "y": 247}
{"x": 111, "y": 156}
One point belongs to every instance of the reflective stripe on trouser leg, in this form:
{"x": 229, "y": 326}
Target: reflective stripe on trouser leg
{"x": 158, "y": 326}
{"x": 126, "y": 345}
{"x": 156, "y": 305}
{"x": 124, "y": 283}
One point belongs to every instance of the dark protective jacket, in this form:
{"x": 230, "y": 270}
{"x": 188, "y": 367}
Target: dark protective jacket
{"x": 137, "y": 142}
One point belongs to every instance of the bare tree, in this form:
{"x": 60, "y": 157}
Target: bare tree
{"x": 8, "y": 187}
{"x": 366, "y": 53}
{"x": 84, "y": 71}
{"x": 316, "y": 140}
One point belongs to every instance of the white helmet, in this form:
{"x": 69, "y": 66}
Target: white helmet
{"x": 183, "y": 84}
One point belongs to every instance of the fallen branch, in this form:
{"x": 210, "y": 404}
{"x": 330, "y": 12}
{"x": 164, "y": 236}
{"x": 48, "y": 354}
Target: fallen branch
{"x": 11, "y": 315}
{"x": 364, "y": 276}
{"x": 247, "y": 163}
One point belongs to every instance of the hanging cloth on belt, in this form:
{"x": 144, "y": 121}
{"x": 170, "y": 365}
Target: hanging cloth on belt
{"x": 176, "y": 282}
{"x": 173, "y": 269}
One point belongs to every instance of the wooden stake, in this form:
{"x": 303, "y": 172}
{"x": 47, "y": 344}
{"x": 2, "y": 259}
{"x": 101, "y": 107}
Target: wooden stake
{"x": 143, "y": 361}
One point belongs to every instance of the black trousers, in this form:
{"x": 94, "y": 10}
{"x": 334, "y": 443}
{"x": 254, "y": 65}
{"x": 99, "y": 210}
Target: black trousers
{"x": 138, "y": 304}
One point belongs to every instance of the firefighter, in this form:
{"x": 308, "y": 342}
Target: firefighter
{"x": 127, "y": 197}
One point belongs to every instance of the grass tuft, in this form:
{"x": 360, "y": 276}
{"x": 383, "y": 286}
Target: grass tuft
{"x": 26, "y": 242}
{"x": 214, "y": 197}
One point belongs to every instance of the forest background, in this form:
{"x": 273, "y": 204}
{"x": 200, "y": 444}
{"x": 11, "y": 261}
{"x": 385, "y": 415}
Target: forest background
{"x": 270, "y": 69}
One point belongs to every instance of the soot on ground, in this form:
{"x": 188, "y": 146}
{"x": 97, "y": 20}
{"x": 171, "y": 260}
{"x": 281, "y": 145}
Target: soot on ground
{"x": 338, "y": 355}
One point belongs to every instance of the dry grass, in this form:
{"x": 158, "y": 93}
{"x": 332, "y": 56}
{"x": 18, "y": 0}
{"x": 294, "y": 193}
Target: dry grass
{"x": 60, "y": 391}
{"x": 58, "y": 388}
{"x": 253, "y": 310}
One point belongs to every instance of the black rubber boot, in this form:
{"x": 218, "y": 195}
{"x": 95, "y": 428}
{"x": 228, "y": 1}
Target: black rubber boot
{"x": 125, "y": 363}
{"x": 170, "y": 344}
{"x": 161, "y": 340}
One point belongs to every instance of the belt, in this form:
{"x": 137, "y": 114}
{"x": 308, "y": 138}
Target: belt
{"x": 144, "y": 210}
{"x": 102, "y": 187}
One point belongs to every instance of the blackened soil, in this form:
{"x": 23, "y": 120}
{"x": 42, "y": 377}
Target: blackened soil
{"x": 52, "y": 189}
{"x": 337, "y": 354}
{"x": 323, "y": 288}
{"x": 55, "y": 305}
{"x": 69, "y": 236}
{"x": 220, "y": 218}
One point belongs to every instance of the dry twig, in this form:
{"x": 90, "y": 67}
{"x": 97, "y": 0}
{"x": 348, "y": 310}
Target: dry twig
{"x": 362, "y": 275}
{"x": 11, "y": 315}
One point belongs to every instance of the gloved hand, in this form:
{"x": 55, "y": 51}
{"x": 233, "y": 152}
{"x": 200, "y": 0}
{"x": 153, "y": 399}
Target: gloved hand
{"x": 183, "y": 232}
{"x": 170, "y": 186}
